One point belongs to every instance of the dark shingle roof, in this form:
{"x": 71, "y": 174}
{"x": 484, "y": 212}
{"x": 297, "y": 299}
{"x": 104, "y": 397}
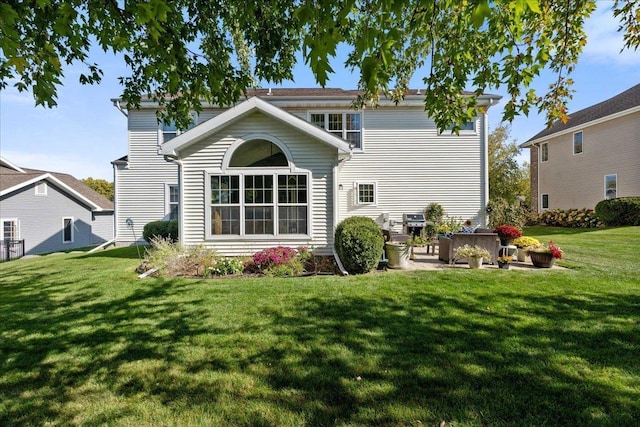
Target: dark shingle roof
{"x": 628, "y": 99}
{"x": 10, "y": 178}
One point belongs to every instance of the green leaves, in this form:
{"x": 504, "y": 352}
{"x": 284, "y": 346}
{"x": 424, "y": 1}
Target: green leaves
{"x": 183, "y": 52}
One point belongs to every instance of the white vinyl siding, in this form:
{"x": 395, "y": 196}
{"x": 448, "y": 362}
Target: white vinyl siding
{"x": 205, "y": 159}
{"x": 412, "y": 166}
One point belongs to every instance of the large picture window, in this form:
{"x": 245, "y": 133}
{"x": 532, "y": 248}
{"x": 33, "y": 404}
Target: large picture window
{"x": 347, "y": 126}
{"x": 261, "y": 196}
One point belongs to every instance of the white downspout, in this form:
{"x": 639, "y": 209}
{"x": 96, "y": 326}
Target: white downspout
{"x": 178, "y": 162}
{"x": 485, "y": 165}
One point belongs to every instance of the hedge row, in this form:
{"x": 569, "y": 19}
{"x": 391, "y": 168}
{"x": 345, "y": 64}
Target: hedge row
{"x": 620, "y": 211}
{"x": 570, "y": 218}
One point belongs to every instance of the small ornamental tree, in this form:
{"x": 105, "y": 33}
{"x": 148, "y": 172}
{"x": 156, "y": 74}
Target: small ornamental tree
{"x": 358, "y": 242}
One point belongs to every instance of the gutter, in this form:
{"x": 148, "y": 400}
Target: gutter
{"x": 176, "y": 161}
{"x": 116, "y": 103}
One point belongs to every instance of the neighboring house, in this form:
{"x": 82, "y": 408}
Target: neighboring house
{"x": 285, "y": 166}
{"x": 51, "y": 211}
{"x": 594, "y": 156}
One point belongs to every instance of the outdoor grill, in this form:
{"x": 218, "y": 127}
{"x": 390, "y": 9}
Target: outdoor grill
{"x": 412, "y": 224}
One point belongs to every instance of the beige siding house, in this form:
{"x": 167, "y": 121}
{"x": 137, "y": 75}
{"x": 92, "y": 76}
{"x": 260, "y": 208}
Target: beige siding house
{"x": 285, "y": 166}
{"x": 594, "y": 156}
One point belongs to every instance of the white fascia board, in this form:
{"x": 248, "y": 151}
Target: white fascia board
{"x": 10, "y": 165}
{"x": 57, "y": 182}
{"x": 236, "y": 113}
{"x": 580, "y": 126}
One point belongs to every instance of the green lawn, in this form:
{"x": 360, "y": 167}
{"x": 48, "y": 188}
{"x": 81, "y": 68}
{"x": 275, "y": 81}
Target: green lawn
{"x": 84, "y": 342}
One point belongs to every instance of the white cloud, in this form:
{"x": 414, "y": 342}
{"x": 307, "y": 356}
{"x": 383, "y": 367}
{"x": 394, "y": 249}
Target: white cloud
{"x": 605, "y": 42}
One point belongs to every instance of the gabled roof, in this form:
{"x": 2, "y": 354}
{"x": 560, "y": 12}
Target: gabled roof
{"x": 250, "y": 106}
{"x": 624, "y": 103}
{"x": 12, "y": 179}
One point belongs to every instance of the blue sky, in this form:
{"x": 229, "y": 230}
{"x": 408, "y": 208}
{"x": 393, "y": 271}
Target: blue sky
{"x": 85, "y": 132}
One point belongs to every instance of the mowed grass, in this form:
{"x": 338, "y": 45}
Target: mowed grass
{"x": 84, "y": 342}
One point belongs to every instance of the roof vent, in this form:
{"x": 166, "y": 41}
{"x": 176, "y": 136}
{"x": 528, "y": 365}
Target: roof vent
{"x": 269, "y": 93}
{"x": 418, "y": 92}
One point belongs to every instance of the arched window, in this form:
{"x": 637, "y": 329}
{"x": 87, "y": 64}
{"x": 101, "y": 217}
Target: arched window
{"x": 258, "y": 153}
{"x": 256, "y": 196}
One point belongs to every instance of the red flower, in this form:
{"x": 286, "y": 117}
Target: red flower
{"x": 555, "y": 251}
{"x": 508, "y": 231}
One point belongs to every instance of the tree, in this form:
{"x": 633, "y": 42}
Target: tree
{"x": 508, "y": 180}
{"x": 100, "y": 186}
{"x": 183, "y": 52}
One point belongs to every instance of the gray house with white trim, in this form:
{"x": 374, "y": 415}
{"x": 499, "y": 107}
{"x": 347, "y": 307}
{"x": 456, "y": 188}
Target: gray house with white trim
{"x": 51, "y": 211}
{"x": 594, "y": 156}
{"x": 285, "y": 166}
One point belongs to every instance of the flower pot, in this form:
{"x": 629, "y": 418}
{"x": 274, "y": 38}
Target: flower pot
{"x": 522, "y": 255}
{"x": 504, "y": 265}
{"x": 398, "y": 255}
{"x": 505, "y": 241}
{"x": 542, "y": 260}
{"x": 475, "y": 262}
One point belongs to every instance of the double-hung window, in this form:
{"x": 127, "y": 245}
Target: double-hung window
{"x": 347, "y": 126}
{"x": 10, "y": 229}
{"x": 169, "y": 130}
{"x": 259, "y": 195}
{"x": 173, "y": 201}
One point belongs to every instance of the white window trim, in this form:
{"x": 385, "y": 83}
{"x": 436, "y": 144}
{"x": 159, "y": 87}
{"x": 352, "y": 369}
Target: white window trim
{"x": 72, "y": 229}
{"x": 196, "y": 118}
{"x": 544, "y": 144}
{"x": 167, "y": 200}
{"x": 344, "y": 118}
{"x": 356, "y": 186}
{"x": 605, "y": 185}
{"x": 542, "y": 201}
{"x": 41, "y": 185}
{"x": 450, "y": 132}
{"x": 242, "y": 172}
{"x": 573, "y": 143}
{"x": 3, "y": 220}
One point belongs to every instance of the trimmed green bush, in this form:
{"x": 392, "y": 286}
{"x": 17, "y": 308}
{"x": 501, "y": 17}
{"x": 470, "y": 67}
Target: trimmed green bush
{"x": 620, "y": 211}
{"x": 167, "y": 230}
{"x": 358, "y": 242}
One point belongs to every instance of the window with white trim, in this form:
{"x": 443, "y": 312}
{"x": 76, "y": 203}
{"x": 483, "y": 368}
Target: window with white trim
{"x": 258, "y": 196}
{"x": 610, "y": 186}
{"x": 366, "y": 193}
{"x": 545, "y": 201}
{"x": 577, "y": 143}
{"x": 10, "y": 229}
{"x": 173, "y": 201}
{"x": 466, "y": 127}
{"x": 347, "y": 126}
{"x": 544, "y": 152}
{"x": 168, "y": 130}
{"x": 67, "y": 230}
{"x": 41, "y": 189}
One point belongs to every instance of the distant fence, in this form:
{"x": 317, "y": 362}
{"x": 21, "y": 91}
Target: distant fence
{"x": 11, "y": 249}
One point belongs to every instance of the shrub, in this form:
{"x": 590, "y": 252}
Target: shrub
{"x": 281, "y": 261}
{"x": 172, "y": 260}
{"x": 620, "y": 211}
{"x": 225, "y": 266}
{"x": 165, "y": 230}
{"x": 502, "y": 212}
{"x": 571, "y": 218}
{"x": 358, "y": 242}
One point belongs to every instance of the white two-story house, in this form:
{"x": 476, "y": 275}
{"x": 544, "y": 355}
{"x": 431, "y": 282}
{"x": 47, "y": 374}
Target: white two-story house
{"x": 285, "y": 166}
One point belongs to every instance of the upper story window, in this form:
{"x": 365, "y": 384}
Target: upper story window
{"x": 466, "y": 127}
{"x": 544, "y": 152}
{"x": 610, "y": 186}
{"x": 577, "y": 142}
{"x": 170, "y": 131}
{"x": 347, "y": 126}
{"x": 41, "y": 189}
